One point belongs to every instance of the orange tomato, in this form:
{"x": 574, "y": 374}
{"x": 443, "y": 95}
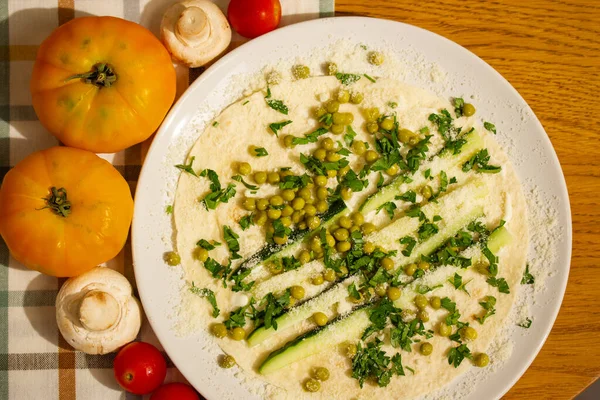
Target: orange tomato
{"x": 102, "y": 83}
{"x": 63, "y": 211}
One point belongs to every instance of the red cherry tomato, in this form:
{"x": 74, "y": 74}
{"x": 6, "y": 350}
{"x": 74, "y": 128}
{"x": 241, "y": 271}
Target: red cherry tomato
{"x": 140, "y": 368}
{"x": 252, "y": 18}
{"x": 175, "y": 391}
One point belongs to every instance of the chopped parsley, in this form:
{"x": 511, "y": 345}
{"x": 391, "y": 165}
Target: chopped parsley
{"x": 527, "y": 279}
{"x": 490, "y": 127}
{"x": 246, "y": 102}
{"x": 260, "y": 152}
{"x": 310, "y": 137}
{"x": 458, "y": 284}
{"x": 215, "y": 124}
{"x": 371, "y": 362}
{"x": 443, "y": 120}
{"x": 212, "y": 200}
{"x": 349, "y": 136}
{"x": 353, "y": 292}
{"x": 208, "y": 295}
{"x": 410, "y": 243}
{"x": 169, "y": 209}
{"x": 278, "y": 105}
{"x": 389, "y": 208}
{"x": 488, "y": 304}
{"x": 294, "y": 182}
{"x": 499, "y": 283}
{"x": 370, "y": 78}
{"x": 459, "y": 105}
{"x": 408, "y": 196}
{"x": 392, "y": 104}
{"x": 380, "y": 180}
{"x": 427, "y": 230}
{"x": 246, "y": 222}
{"x": 275, "y": 127}
{"x": 526, "y": 324}
{"x": 273, "y": 307}
{"x": 240, "y": 179}
{"x": 422, "y": 289}
{"x": 231, "y": 238}
{"x": 187, "y": 167}
{"x": 205, "y": 244}
{"x": 456, "y": 355}
{"x": 479, "y": 163}
{"x": 347, "y": 79}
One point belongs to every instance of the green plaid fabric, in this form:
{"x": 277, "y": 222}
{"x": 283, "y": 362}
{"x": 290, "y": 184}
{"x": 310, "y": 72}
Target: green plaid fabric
{"x": 35, "y": 361}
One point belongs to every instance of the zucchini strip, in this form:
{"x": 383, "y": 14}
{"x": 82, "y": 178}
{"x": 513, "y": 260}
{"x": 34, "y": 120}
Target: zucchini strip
{"x": 444, "y": 162}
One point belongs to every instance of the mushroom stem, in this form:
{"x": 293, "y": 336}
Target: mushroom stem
{"x": 98, "y": 310}
{"x": 193, "y": 26}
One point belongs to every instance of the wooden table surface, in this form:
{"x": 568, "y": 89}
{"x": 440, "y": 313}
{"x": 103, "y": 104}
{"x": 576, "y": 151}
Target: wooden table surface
{"x": 550, "y": 52}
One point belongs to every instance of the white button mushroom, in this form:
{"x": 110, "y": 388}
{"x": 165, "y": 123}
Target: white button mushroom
{"x": 96, "y": 312}
{"x": 195, "y": 31}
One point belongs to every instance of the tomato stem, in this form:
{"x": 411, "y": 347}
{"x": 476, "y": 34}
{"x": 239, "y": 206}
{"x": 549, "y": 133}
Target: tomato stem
{"x": 57, "y": 202}
{"x": 101, "y": 75}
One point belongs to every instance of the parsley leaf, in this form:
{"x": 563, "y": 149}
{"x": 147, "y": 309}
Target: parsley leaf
{"x": 277, "y": 126}
{"x": 410, "y": 243}
{"x": 294, "y": 182}
{"x": 212, "y": 200}
{"x": 187, "y": 167}
{"x": 479, "y": 163}
{"x": 488, "y": 304}
{"x": 246, "y": 222}
{"x": 353, "y": 292}
{"x": 408, "y": 196}
{"x": 169, "y": 209}
{"x": 500, "y": 283}
{"x": 212, "y": 176}
{"x": 209, "y": 295}
{"x": 458, "y": 284}
{"x": 351, "y": 180}
{"x": 443, "y": 120}
{"x": 427, "y": 230}
{"x": 526, "y": 324}
{"x": 422, "y": 289}
{"x": 490, "y": 127}
{"x": 458, "y": 354}
{"x": 389, "y": 207}
{"x": 240, "y": 179}
{"x": 380, "y": 180}
{"x": 370, "y": 78}
{"x": 310, "y": 137}
{"x": 459, "y": 104}
{"x": 392, "y": 104}
{"x": 278, "y": 105}
{"x": 371, "y": 362}
{"x": 349, "y": 136}
{"x": 347, "y": 79}
{"x": 260, "y": 152}
{"x": 207, "y": 245}
{"x": 527, "y": 279}
{"x": 231, "y": 238}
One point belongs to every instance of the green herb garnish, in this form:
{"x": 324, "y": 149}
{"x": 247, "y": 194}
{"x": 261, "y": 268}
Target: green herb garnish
{"x": 499, "y": 283}
{"x": 187, "y": 167}
{"x": 490, "y": 127}
{"x": 370, "y": 78}
{"x": 347, "y": 79}
{"x": 312, "y": 137}
{"x": 208, "y": 295}
{"x": 488, "y": 304}
{"x": 277, "y": 126}
{"x": 526, "y": 324}
{"x": 527, "y": 279}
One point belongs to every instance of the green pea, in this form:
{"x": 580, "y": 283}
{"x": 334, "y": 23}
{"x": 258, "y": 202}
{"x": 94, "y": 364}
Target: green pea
{"x": 321, "y": 206}
{"x": 359, "y": 147}
{"x": 343, "y": 96}
{"x": 410, "y": 269}
{"x": 313, "y": 222}
{"x": 286, "y": 221}
{"x": 327, "y": 144}
{"x": 249, "y": 204}
{"x": 371, "y": 114}
{"x": 260, "y": 218}
{"x": 356, "y": 98}
{"x": 273, "y": 213}
{"x": 367, "y": 228}
{"x": 444, "y": 330}
{"x": 312, "y": 385}
{"x": 394, "y": 293}
{"x": 172, "y": 258}
{"x": 319, "y": 112}
{"x": 297, "y": 292}
{"x": 331, "y": 68}
{"x": 404, "y": 135}
{"x": 371, "y": 156}
{"x": 275, "y": 268}
{"x": 332, "y": 156}
{"x": 219, "y": 330}
{"x": 330, "y": 240}
{"x": 332, "y": 106}
{"x": 329, "y": 275}
{"x": 300, "y": 71}
{"x": 380, "y": 290}
{"x": 481, "y": 360}
{"x": 351, "y": 350}
{"x": 343, "y": 247}
{"x": 341, "y": 234}
{"x": 320, "y": 154}
{"x": 393, "y": 170}
{"x": 426, "y": 192}
{"x": 322, "y": 193}
{"x": 368, "y": 247}
{"x": 276, "y": 200}
{"x": 273, "y": 178}
{"x": 201, "y": 254}
{"x": 321, "y": 373}
{"x": 337, "y": 129}
{"x": 280, "y": 239}
{"x": 288, "y": 141}
{"x": 435, "y": 302}
{"x": 468, "y": 333}
{"x": 227, "y": 362}
{"x": 347, "y": 118}
{"x": 421, "y": 301}
{"x": 345, "y": 222}
{"x": 424, "y": 265}
{"x": 387, "y": 263}
{"x": 244, "y": 168}
{"x": 238, "y": 333}
{"x": 260, "y": 177}
{"x": 358, "y": 218}
{"x": 375, "y": 58}
{"x": 423, "y": 316}
{"x": 262, "y": 204}
{"x": 320, "y": 318}
{"x": 468, "y": 110}
{"x": 343, "y": 272}
{"x": 426, "y": 348}
{"x": 317, "y": 280}
{"x": 372, "y": 127}
{"x": 304, "y": 257}
{"x": 387, "y": 124}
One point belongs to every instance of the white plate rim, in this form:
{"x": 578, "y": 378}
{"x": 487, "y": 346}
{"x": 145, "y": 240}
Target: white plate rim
{"x": 170, "y": 123}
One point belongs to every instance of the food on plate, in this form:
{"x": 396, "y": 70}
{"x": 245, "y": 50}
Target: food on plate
{"x": 96, "y": 312}
{"x": 355, "y": 237}
{"x": 252, "y": 18}
{"x": 140, "y": 368}
{"x": 102, "y": 83}
{"x": 63, "y": 211}
{"x": 195, "y": 32}
{"x": 175, "y": 391}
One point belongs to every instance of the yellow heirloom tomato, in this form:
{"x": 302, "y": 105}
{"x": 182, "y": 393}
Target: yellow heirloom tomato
{"x": 63, "y": 211}
{"x": 102, "y": 83}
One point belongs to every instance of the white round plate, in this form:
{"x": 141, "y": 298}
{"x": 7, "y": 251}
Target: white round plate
{"x": 496, "y": 100}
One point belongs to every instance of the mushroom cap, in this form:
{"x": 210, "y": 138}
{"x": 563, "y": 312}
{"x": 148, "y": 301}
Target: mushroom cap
{"x": 96, "y": 312}
{"x": 195, "y": 31}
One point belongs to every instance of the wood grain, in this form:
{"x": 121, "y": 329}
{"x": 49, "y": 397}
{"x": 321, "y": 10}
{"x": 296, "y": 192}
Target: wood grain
{"x": 550, "y": 52}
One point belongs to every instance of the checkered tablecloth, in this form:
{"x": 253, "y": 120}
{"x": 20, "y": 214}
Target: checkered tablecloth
{"x": 35, "y": 361}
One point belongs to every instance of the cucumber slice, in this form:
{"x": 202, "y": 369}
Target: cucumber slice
{"x": 344, "y": 328}
{"x": 499, "y": 238}
{"x": 445, "y": 162}
{"x": 300, "y": 313}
